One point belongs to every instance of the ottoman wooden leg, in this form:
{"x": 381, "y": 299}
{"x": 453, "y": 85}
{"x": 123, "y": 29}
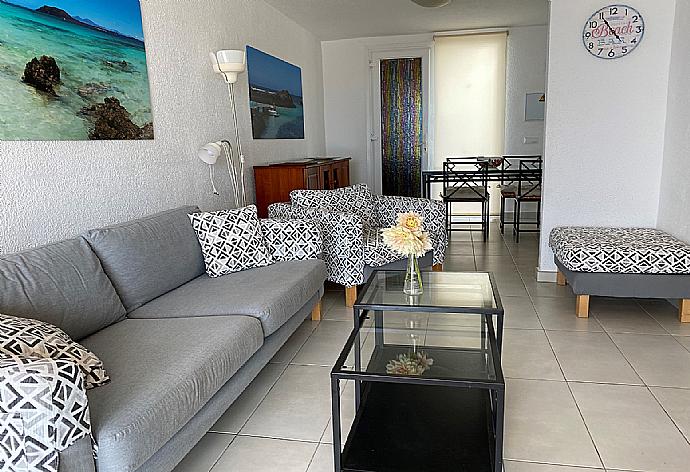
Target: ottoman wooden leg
{"x": 437, "y": 267}
{"x": 560, "y": 279}
{"x": 582, "y": 306}
{"x": 350, "y": 296}
{"x": 684, "y": 311}
{"x": 316, "y": 311}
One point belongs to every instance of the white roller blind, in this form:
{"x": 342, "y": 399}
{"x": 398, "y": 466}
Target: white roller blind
{"x": 469, "y": 95}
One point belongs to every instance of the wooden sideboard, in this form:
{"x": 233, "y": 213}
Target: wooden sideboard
{"x": 274, "y": 182}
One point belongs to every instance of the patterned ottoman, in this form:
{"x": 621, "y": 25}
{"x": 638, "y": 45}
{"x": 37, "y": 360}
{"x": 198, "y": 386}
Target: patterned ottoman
{"x": 622, "y": 262}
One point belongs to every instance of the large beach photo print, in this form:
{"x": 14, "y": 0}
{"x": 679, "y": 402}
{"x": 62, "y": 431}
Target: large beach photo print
{"x": 275, "y": 97}
{"x": 73, "y": 70}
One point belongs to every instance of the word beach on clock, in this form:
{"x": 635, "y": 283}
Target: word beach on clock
{"x": 613, "y": 32}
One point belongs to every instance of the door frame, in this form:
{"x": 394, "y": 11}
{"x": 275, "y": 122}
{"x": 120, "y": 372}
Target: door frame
{"x": 374, "y": 162}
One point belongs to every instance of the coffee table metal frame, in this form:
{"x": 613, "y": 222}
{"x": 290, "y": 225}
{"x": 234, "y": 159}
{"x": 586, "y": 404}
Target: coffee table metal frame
{"x": 361, "y": 314}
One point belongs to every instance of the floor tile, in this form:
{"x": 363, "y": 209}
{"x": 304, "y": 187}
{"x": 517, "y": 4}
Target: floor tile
{"x": 265, "y": 455}
{"x": 659, "y": 360}
{"x": 631, "y": 431}
{"x": 591, "y": 357}
{"x": 322, "y": 460}
{"x": 288, "y": 351}
{"x": 462, "y": 263}
{"x": 528, "y": 355}
{"x": 325, "y": 344}
{"x": 205, "y": 453}
{"x": 623, "y": 316}
{"x": 559, "y": 314}
{"x": 520, "y": 313}
{"x": 515, "y": 466}
{"x": 460, "y": 248}
{"x": 347, "y": 415}
{"x": 542, "y": 289}
{"x": 240, "y": 411}
{"x": 676, "y": 402}
{"x": 338, "y": 312}
{"x": 666, "y": 315}
{"x": 543, "y": 424}
{"x": 297, "y": 407}
{"x": 511, "y": 288}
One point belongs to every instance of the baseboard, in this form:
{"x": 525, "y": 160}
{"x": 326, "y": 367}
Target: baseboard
{"x": 546, "y": 276}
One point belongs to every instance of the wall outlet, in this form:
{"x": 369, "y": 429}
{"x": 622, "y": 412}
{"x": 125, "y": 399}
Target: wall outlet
{"x": 530, "y": 140}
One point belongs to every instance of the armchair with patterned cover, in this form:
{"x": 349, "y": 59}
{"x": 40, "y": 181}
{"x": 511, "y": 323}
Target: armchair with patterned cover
{"x": 351, "y": 219}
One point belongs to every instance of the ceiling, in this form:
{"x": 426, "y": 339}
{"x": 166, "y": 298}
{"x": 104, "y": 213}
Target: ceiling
{"x": 340, "y": 19}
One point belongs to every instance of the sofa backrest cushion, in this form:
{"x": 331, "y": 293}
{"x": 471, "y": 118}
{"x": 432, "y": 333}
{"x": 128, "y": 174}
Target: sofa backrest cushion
{"x": 356, "y": 199}
{"x": 148, "y": 257}
{"x": 62, "y": 284}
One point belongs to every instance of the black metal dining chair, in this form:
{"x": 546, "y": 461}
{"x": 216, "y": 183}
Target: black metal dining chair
{"x": 528, "y": 191}
{"x": 509, "y": 184}
{"x": 466, "y": 180}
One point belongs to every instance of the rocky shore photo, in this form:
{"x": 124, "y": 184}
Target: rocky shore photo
{"x": 275, "y": 97}
{"x": 73, "y": 70}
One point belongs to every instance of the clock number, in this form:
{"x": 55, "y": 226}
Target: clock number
{"x": 625, "y": 49}
{"x": 611, "y": 53}
{"x": 613, "y": 11}
{"x": 634, "y": 40}
{"x": 636, "y": 18}
{"x": 588, "y": 34}
{"x": 638, "y": 29}
{"x": 593, "y": 24}
{"x": 601, "y": 15}
{"x": 600, "y": 51}
{"x": 591, "y": 45}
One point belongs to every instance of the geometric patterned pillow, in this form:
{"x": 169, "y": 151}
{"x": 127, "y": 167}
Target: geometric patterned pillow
{"x": 231, "y": 240}
{"x": 24, "y": 337}
{"x": 292, "y": 240}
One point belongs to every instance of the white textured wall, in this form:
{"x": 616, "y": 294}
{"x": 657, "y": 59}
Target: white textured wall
{"x": 604, "y": 136}
{"x": 525, "y": 73}
{"x": 53, "y": 190}
{"x": 674, "y": 215}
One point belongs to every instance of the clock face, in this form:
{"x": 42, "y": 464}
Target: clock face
{"x": 613, "y": 32}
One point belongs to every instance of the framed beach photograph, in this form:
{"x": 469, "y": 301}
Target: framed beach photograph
{"x": 73, "y": 70}
{"x": 275, "y": 97}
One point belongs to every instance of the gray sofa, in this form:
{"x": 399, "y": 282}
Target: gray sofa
{"x": 179, "y": 346}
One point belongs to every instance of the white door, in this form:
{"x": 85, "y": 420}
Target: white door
{"x": 376, "y": 153}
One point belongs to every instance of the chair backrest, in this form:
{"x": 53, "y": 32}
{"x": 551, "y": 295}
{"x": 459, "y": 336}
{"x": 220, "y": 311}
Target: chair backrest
{"x": 511, "y": 165}
{"x": 460, "y": 173}
{"x": 529, "y": 177}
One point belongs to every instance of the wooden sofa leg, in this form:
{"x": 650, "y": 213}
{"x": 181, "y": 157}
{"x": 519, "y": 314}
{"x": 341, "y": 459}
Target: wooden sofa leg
{"x": 684, "y": 311}
{"x": 560, "y": 279}
{"x": 437, "y": 267}
{"x": 316, "y": 311}
{"x": 582, "y": 306}
{"x": 350, "y": 296}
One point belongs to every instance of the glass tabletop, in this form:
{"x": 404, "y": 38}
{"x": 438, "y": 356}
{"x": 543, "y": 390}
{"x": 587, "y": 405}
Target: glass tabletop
{"x": 459, "y": 292}
{"x": 423, "y": 348}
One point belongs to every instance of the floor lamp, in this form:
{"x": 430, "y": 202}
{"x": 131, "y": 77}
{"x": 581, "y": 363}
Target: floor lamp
{"x": 229, "y": 63}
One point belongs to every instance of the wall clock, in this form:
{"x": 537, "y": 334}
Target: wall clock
{"x": 613, "y": 32}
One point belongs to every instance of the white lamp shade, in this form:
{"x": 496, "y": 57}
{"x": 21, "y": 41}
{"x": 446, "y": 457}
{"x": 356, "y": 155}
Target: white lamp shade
{"x": 210, "y": 153}
{"x": 229, "y": 62}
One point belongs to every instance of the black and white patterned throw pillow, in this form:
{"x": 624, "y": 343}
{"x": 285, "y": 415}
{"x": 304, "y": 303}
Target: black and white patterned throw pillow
{"x": 25, "y": 337}
{"x": 292, "y": 240}
{"x": 231, "y": 240}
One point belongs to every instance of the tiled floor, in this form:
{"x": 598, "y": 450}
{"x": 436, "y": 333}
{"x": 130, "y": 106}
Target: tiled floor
{"x": 607, "y": 393}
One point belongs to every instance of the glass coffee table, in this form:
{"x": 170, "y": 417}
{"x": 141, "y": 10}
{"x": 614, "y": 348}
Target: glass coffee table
{"x": 429, "y": 389}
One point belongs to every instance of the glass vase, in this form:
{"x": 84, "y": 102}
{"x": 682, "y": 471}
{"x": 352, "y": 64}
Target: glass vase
{"x": 413, "y": 277}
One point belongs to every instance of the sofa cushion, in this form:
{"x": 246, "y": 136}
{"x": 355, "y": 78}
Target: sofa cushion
{"x": 231, "y": 240}
{"x": 24, "y": 337}
{"x": 62, "y": 284}
{"x": 162, "y": 373}
{"x": 272, "y": 294}
{"x": 148, "y": 257}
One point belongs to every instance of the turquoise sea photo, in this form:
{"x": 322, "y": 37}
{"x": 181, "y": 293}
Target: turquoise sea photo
{"x": 73, "y": 70}
{"x": 275, "y": 97}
